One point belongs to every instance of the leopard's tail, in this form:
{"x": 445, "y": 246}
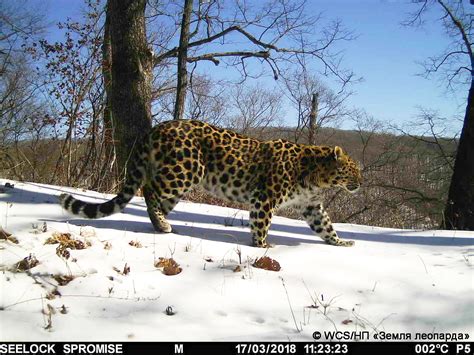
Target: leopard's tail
{"x": 135, "y": 178}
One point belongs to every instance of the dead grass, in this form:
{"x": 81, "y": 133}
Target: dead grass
{"x": 67, "y": 241}
{"x": 63, "y": 280}
{"x": 135, "y": 243}
{"x": 25, "y": 264}
{"x": 4, "y": 235}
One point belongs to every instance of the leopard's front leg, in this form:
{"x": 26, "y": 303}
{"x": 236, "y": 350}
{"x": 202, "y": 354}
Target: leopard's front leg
{"x": 319, "y": 221}
{"x": 261, "y": 211}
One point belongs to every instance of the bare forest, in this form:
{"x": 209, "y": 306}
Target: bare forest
{"x": 71, "y": 109}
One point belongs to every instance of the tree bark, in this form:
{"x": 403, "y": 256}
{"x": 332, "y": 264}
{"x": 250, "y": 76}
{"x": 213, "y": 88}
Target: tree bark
{"x": 131, "y": 71}
{"x": 459, "y": 211}
{"x": 182, "y": 61}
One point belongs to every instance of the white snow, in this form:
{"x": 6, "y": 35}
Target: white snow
{"x": 391, "y": 280}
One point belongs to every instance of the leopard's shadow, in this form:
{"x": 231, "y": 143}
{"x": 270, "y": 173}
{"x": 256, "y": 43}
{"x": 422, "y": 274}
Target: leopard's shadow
{"x": 192, "y": 225}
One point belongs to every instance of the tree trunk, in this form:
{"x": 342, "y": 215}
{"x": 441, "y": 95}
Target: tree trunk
{"x": 130, "y": 89}
{"x": 459, "y": 211}
{"x": 312, "y": 119}
{"x": 182, "y": 61}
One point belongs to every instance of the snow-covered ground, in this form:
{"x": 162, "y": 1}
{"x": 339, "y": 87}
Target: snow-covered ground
{"x": 391, "y": 280}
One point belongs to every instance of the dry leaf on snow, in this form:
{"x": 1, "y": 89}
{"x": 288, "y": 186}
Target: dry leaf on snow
{"x": 169, "y": 265}
{"x": 267, "y": 263}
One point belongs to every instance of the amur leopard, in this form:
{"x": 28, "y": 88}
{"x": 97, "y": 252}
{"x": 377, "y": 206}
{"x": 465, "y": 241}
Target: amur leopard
{"x": 178, "y": 154}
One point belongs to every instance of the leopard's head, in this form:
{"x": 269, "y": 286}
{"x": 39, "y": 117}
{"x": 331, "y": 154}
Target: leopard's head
{"x": 339, "y": 170}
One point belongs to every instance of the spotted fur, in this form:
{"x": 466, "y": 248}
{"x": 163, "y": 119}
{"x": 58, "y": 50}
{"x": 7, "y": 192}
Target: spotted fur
{"x": 177, "y": 155}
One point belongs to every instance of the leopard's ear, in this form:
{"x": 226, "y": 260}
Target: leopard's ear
{"x": 338, "y": 152}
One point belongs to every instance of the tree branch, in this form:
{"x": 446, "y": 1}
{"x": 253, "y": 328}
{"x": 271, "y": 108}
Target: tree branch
{"x": 242, "y": 54}
{"x": 462, "y": 31}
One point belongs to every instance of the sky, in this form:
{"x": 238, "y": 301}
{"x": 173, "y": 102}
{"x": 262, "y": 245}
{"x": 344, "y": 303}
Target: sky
{"x": 385, "y": 54}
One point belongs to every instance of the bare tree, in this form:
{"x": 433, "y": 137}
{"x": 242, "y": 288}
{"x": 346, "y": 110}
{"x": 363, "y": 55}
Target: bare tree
{"x": 208, "y": 100}
{"x": 71, "y": 74}
{"x": 20, "y": 110}
{"x": 182, "y": 76}
{"x": 255, "y": 109}
{"x": 19, "y": 23}
{"x": 247, "y": 32}
{"x": 301, "y": 87}
{"x": 313, "y": 114}
{"x": 456, "y": 68}
{"x": 16, "y": 85}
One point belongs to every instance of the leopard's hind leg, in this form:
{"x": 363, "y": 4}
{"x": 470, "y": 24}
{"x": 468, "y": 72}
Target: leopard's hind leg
{"x": 168, "y": 185}
{"x": 155, "y": 210}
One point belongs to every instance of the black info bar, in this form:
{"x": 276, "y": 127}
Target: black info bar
{"x": 236, "y": 348}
